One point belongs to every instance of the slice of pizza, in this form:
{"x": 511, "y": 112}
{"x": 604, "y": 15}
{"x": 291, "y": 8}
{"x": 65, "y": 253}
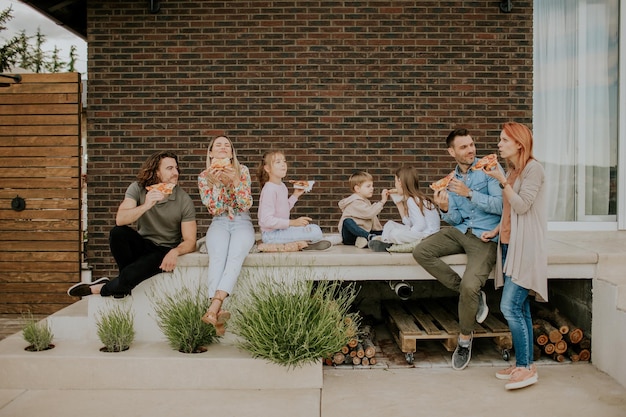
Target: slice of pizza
{"x": 220, "y": 163}
{"x": 442, "y": 184}
{"x": 395, "y": 197}
{"x": 303, "y": 185}
{"x": 164, "y": 187}
{"x": 488, "y": 162}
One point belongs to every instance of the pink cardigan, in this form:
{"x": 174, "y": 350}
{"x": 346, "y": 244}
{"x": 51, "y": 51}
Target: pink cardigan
{"x": 274, "y": 207}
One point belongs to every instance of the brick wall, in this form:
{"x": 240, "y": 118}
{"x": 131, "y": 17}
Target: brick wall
{"x": 340, "y": 86}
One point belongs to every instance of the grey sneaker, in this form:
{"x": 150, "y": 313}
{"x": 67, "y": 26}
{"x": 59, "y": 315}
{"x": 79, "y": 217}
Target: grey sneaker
{"x": 483, "y": 308}
{"x": 360, "y": 242}
{"x": 319, "y": 245}
{"x": 462, "y": 354}
{"x": 378, "y": 245}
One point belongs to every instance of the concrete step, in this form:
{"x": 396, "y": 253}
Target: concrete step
{"x": 79, "y": 364}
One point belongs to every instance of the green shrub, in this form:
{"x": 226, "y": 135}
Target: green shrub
{"x": 116, "y": 328}
{"x": 292, "y": 320}
{"x": 37, "y": 333}
{"x": 178, "y": 312}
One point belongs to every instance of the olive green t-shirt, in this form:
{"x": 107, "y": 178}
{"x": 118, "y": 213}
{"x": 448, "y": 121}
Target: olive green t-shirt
{"x": 162, "y": 223}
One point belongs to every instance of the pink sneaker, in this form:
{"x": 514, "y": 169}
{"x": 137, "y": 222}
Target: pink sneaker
{"x": 522, "y": 377}
{"x": 505, "y": 373}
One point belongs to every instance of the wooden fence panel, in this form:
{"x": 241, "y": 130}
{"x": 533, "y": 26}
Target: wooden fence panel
{"x": 40, "y": 162}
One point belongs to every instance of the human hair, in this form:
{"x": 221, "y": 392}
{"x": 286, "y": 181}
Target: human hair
{"x": 235, "y": 161}
{"x": 452, "y": 135}
{"x": 522, "y": 135}
{"x": 148, "y": 173}
{"x": 268, "y": 158}
{"x": 359, "y": 178}
{"x": 409, "y": 181}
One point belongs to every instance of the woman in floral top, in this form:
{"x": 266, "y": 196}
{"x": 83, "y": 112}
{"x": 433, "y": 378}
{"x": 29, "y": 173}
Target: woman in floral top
{"x": 225, "y": 191}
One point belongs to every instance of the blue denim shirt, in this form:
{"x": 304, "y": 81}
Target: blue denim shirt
{"x": 483, "y": 212}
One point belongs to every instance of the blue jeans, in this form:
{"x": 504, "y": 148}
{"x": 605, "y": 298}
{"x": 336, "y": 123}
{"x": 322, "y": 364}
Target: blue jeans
{"x": 228, "y": 243}
{"x": 350, "y": 231}
{"x": 515, "y": 306}
{"x": 310, "y": 233}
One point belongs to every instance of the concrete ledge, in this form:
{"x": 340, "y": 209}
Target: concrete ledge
{"x": 80, "y": 365}
{"x": 352, "y": 264}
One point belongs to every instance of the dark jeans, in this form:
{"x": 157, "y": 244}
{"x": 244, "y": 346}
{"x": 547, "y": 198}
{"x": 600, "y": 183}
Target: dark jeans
{"x": 137, "y": 260}
{"x": 350, "y": 231}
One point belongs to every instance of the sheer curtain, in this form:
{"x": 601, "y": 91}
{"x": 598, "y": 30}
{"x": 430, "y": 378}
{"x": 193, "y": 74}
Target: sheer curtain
{"x": 575, "y": 104}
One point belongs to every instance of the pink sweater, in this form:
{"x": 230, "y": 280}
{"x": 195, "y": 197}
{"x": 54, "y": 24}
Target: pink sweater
{"x": 274, "y": 207}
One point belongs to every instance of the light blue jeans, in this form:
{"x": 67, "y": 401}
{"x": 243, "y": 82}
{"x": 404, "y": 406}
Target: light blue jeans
{"x": 515, "y": 307}
{"x": 228, "y": 243}
{"x": 310, "y": 233}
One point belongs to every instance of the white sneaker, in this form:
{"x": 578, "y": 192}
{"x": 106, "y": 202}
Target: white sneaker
{"x": 360, "y": 242}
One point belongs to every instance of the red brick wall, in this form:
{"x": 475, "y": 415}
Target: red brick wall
{"x": 340, "y": 86}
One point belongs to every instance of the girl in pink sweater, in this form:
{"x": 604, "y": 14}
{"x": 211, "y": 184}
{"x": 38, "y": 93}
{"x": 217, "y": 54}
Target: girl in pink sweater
{"x": 275, "y": 205}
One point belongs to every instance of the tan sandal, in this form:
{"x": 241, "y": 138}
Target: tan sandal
{"x": 217, "y": 320}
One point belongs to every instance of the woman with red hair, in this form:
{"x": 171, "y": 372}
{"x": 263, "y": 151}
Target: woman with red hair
{"x": 522, "y": 263}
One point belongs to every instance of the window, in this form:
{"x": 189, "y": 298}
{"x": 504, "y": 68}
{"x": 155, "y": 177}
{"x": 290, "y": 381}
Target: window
{"x": 575, "y": 107}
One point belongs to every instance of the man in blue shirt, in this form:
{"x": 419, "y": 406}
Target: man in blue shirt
{"x": 472, "y": 204}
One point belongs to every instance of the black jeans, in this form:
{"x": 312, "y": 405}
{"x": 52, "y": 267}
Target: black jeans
{"x": 137, "y": 260}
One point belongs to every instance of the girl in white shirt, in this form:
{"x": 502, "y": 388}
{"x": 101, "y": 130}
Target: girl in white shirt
{"x": 275, "y": 205}
{"x": 420, "y": 217}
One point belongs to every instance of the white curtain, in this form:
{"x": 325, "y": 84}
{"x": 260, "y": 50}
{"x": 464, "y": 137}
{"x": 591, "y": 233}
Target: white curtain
{"x": 575, "y": 103}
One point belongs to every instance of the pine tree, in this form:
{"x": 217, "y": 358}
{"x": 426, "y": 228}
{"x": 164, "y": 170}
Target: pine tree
{"x": 20, "y": 51}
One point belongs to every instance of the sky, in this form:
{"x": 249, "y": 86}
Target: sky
{"x": 28, "y": 19}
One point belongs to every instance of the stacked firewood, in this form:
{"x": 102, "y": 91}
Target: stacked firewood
{"x": 358, "y": 351}
{"x": 557, "y": 337}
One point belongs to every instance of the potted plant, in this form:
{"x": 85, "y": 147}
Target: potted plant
{"x": 115, "y": 328}
{"x": 291, "y": 319}
{"x": 178, "y": 312}
{"x": 37, "y": 333}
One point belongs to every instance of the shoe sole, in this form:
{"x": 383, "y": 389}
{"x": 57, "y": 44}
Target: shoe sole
{"x": 522, "y": 384}
{"x": 319, "y": 245}
{"x": 485, "y": 313}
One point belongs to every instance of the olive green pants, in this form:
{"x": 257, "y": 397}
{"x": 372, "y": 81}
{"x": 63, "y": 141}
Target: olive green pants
{"x": 481, "y": 257}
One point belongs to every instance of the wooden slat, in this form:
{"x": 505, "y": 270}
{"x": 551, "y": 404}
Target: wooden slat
{"x": 35, "y": 308}
{"x": 41, "y": 172}
{"x": 12, "y": 225}
{"x": 25, "y": 99}
{"x": 402, "y": 319}
{"x": 424, "y": 320}
{"x": 38, "y": 256}
{"x": 43, "y": 88}
{"x": 39, "y": 276}
{"x": 55, "y": 78}
{"x": 41, "y": 183}
{"x": 23, "y": 121}
{"x": 31, "y": 287}
{"x": 59, "y": 151}
{"x": 40, "y": 237}
{"x": 68, "y": 267}
{"x": 46, "y": 204}
{"x": 43, "y": 108}
{"x": 30, "y": 141}
{"x": 40, "y": 162}
{"x": 58, "y": 246}
{"x": 39, "y": 214}
{"x": 39, "y": 130}
{"x": 446, "y": 320}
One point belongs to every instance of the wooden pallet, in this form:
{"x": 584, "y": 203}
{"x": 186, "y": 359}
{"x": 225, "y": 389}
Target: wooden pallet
{"x": 428, "y": 319}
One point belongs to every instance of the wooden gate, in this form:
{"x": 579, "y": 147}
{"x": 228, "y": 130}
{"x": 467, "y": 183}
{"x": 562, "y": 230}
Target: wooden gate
{"x": 40, "y": 195}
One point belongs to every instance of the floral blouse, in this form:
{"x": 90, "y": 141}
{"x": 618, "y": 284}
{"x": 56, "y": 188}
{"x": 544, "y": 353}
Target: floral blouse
{"x": 220, "y": 199}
